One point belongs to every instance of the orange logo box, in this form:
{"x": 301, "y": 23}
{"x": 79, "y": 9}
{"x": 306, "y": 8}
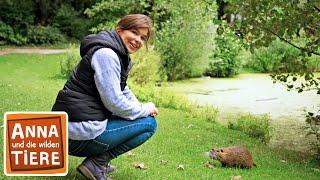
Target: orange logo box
{"x": 36, "y": 144}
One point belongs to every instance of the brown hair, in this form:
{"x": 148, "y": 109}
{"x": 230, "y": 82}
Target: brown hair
{"x": 135, "y": 21}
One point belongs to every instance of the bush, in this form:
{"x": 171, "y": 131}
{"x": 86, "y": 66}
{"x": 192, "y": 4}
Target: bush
{"x": 18, "y": 15}
{"x": 209, "y": 113}
{"x": 160, "y": 96}
{"x": 183, "y": 40}
{"x": 268, "y": 59}
{"x": 7, "y": 35}
{"x": 225, "y": 61}
{"x": 69, "y": 22}
{"x": 281, "y": 57}
{"x": 70, "y": 61}
{"x": 167, "y": 99}
{"x": 313, "y": 63}
{"x": 254, "y": 126}
{"x": 313, "y": 129}
{"x": 44, "y": 35}
{"x": 146, "y": 67}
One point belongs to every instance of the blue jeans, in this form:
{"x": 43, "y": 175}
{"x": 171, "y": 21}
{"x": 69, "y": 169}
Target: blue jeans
{"x": 119, "y": 137}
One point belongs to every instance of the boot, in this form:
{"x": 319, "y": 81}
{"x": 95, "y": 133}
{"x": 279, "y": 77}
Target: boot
{"x": 110, "y": 168}
{"x": 94, "y": 168}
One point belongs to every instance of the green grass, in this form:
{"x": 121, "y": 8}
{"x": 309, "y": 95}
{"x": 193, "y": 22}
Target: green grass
{"x": 31, "y": 83}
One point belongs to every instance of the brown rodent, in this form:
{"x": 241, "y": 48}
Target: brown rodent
{"x": 233, "y": 157}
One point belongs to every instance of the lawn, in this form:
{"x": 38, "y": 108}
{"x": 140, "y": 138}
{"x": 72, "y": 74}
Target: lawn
{"x": 31, "y": 82}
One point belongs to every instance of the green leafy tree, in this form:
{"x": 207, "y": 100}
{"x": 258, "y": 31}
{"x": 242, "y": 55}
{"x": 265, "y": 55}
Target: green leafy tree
{"x": 262, "y": 22}
{"x": 106, "y": 13}
{"x": 19, "y": 18}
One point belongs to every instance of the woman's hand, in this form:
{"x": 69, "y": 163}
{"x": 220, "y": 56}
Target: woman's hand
{"x": 153, "y": 111}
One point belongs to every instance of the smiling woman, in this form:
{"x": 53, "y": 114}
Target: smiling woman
{"x": 105, "y": 118}
{"x": 133, "y": 39}
{"x": 135, "y": 32}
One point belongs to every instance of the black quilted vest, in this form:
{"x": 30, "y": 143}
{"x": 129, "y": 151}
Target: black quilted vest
{"x": 79, "y": 96}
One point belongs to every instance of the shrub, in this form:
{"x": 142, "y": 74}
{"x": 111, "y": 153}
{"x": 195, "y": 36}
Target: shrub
{"x": 209, "y": 113}
{"x": 160, "y": 96}
{"x": 182, "y": 55}
{"x": 44, "y": 35}
{"x": 269, "y": 59}
{"x": 255, "y": 126}
{"x": 146, "y": 67}
{"x": 183, "y": 40}
{"x": 313, "y": 129}
{"x": 7, "y": 35}
{"x": 313, "y": 63}
{"x": 68, "y": 21}
{"x": 70, "y": 61}
{"x": 225, "y": 61}
{"x": 280, "y": 56}
{"x": 167, "y": 99}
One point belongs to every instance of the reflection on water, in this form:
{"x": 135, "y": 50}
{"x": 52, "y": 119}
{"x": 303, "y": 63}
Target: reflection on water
{"x": 256, "y": 94}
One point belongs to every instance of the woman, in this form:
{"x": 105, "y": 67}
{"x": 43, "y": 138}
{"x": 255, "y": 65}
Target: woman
{"x": 105, "y": 118}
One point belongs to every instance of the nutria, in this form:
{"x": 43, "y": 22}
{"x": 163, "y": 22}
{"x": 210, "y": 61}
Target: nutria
{"x": 233, "y": 157}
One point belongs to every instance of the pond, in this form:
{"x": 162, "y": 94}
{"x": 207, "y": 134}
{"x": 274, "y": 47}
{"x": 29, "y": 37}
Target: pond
{"x": 256, "y": 94}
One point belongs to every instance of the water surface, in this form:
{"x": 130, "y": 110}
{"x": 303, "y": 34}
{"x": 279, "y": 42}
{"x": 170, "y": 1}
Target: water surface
{"x": 256, "y": 94}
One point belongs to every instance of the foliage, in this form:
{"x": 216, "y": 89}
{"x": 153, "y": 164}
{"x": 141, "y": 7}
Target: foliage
{"x": 107, "y": 12}
{"x": 255, "y": 126}
{"x": 23, "y": 16}
{"x": 280, "y": 57}
{"x": 18, "y": 15}
{"x": 160, "y": 96}
{"x": 275, "y": 58}
{"x": 44, "y": 35}
{"x": 69, "y": 21}
{"x": 163, "y": 97}
{"x": 208, "y": 113}
{"x": 264, "y": 21}
{"x": 146, "y": 67}
{"x": 313, "y": 129}
{"x": 7, "y": 35}
{"x": 183, "y": 40}
{"x": 69, "y": 62}
{"x": 225, "y": 61}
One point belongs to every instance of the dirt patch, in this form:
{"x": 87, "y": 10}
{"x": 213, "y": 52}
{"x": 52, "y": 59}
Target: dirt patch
{"x": 31, "y": 51}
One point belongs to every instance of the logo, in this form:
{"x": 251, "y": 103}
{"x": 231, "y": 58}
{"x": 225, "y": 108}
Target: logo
{"x": 35, "y": 144}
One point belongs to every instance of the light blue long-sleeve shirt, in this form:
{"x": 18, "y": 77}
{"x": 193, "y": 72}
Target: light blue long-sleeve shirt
{"x": 106, "y": 66}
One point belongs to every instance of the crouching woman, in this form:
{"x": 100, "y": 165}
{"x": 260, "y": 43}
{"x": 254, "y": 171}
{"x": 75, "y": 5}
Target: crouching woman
{"x": 105, "y": 118}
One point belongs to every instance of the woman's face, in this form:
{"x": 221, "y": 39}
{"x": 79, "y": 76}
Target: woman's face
{"x": 133, "y": 39}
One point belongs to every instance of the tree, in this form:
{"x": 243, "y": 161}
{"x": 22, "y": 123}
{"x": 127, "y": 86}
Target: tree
{"x": 37, "y": 21}
{"x": 295, "y": 22}
{"x": 106, "y": 13}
